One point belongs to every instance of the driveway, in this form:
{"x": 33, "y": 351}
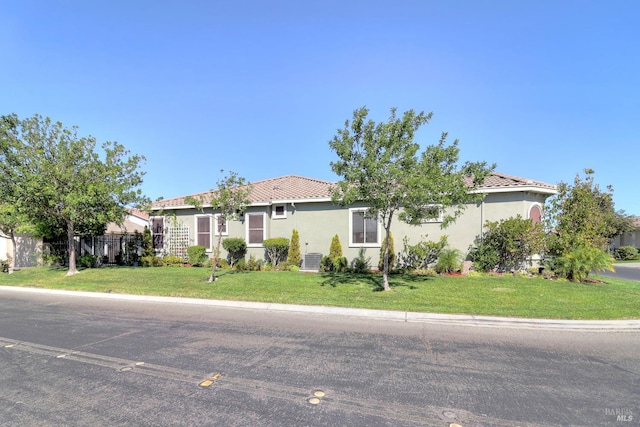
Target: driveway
{"x": 626, "y": 271}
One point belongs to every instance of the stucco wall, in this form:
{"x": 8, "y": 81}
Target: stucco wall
{"x": 318, "y": 222}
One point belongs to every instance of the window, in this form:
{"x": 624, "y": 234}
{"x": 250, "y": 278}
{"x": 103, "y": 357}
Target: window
{"x": 535, "y": 214}
{"x": 221, "y": 225}
{"x": 279, "y": 211}
{"x": 365, "y": 231}
{"x": 255, "y": 229}
{"x": 203, "y": 231}
{"x": 157, "y": 233}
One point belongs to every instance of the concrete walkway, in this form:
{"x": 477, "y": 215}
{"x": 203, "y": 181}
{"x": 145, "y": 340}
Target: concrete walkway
{"x": 400, "y": 316}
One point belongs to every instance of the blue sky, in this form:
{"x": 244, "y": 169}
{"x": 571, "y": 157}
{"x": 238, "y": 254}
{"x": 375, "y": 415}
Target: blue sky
{"x": 542, "y": 88}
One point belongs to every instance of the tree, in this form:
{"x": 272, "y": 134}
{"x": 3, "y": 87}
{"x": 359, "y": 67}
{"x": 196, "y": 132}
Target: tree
{"x": 380, "y": 164}
{"x": 62, "y": 184}
{"x": 582, "y": 215}
{"x": 391, "y": 250}
{"x": 293, "y": 257}
{"x": 507, "y": 244}
{"x": 228, "y": 200}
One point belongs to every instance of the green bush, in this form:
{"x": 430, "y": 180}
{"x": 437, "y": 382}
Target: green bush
{"x": 362, "y": 263}
{"x": 236, "y": 249}
{"x": 197, "y": 255}
{"x": 88, "y": 261}
{"x": 276, "y": 250}
{"x": 335, "y": 250}
{"x": 152, "y": 261}
{"x": 147, "y": 243}
{"x": 576, "y": 264}
{"x": 420, "y": 256}
{"x": 293, "y": 258}
{"x": 254, "y": 264}
{"x": 449, "y": 261}
{"x": 485, "y": 258}
{"x": 4, "y": 265}
{"x": 173, "y": 261}
{"x": 626, "y": 253}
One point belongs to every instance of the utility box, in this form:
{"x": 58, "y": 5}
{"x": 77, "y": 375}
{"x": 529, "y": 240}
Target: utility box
{"x": 311, "y": 262}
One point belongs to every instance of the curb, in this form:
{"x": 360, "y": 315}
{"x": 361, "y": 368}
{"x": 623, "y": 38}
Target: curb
{"x": 400, "y": 316}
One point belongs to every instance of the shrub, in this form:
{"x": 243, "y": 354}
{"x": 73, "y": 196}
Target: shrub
{"x": 173, "y": 261}
{"x": 294, "y": 268}
{"x": 576, "y": 264}
{"x": 236, "y": 249}
{"x": 362, "y": 264}
{"x": 276, "y": 250}
{"x": 485, "y": 258}
{"x": 626, "y": 253}
{"x": 422, "y": 255}
{"x": 512, "y": 241}
{"x": 293, "y": 258}
{"x": 197, "y": 255}
{"x": 392, "y": 255}
{"x": 147, "y": 243}
{"x": 4, "y": 265}
{"x": 88, "y": 261}
{"x": 335, "y": 250}
{"x": 152, "y": 261}
{"x": 254, "y": 264}
{"x": 448, "y": 261}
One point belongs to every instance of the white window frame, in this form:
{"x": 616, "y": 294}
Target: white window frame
{"x": 440, "y": 215}
{"x": 197, "y": 231}
{"x": 264, "y": 229}
{"x": 225, "y": 232}
{"x": 154, "y": 234}
{"x": 375, "y": 244}
{"x": 274, "y": 215}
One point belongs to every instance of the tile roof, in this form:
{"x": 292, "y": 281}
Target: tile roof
{"x": 295, "y": 187}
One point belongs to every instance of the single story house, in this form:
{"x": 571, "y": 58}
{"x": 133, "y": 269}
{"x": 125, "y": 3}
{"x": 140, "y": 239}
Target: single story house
{"x": 631, "y": 238}
{"x": 28, "y": 250}
{"x": 279, "y": 205}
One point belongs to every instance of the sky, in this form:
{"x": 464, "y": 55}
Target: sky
{"x": 542, "y": 88}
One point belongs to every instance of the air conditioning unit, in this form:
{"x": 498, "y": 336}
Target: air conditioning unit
{"x": 311, "y": 262}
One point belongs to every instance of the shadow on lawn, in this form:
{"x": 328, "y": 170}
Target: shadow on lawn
{"x": 373, "y": 280}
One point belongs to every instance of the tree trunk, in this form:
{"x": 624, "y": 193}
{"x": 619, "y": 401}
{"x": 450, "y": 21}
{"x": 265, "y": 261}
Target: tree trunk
{"x": 216, "y": 254}
{"x": 72, "y": 249}
{"x": 385, "y": 267}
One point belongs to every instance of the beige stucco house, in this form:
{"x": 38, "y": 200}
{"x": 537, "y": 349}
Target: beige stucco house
{"x": 28, "y": 250}
{"x": 279, "y": 205}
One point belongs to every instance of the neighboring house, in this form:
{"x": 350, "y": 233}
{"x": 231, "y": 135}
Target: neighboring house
{"x": 112, "y": 244}
{"x": 28, "y": 250}
{"x": 632, "y": 238}
{"x": 279, "y": 205}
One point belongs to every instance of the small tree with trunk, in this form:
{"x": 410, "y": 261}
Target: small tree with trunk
{"x": 228, "y": 200}
{"x": 380, "y": 165}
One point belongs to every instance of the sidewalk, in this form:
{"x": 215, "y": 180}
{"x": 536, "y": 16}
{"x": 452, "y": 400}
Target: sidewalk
{"x": 400, "y": 316}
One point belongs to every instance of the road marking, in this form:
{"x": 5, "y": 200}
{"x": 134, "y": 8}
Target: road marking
{"x": 387, "y": 410}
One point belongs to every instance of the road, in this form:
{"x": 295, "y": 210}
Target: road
{"x": 627, "y": 271}
{"x": 76, "y": 361}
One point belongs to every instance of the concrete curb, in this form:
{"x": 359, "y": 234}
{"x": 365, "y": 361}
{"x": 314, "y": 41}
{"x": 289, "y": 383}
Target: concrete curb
{"x": 400, "y": 316}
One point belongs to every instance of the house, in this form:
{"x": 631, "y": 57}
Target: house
{"x": 28, "y": 250}
{"x": 279, "y": 205}
{"x": 631, "y": 238}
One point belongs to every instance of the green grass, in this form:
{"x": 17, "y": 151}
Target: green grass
{"x": 486, "y": 295}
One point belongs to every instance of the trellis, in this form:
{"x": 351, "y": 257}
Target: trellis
{"x": 177, "y": 240}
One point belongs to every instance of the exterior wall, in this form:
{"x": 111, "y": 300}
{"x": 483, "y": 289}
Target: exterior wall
{"x": 318, "y": 222}
{"x": 28, "y": 250}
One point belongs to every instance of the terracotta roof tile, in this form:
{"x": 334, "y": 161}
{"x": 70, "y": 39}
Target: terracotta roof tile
{"x": 295, "y": 187}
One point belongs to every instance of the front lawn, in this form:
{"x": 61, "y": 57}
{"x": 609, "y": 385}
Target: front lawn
{"x": 486, "y": 295}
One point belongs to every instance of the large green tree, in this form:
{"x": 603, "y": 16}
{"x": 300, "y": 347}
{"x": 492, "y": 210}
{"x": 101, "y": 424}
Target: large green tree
{"x": 583, "y": 214}
{"x": 228, "y": 201}
{"x": 62, "y": 182}
{"x": 381, "y": 165}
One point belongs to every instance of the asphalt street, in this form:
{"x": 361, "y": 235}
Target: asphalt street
{"x": 76, "y": 361}
{"x": 626, "y": 271}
